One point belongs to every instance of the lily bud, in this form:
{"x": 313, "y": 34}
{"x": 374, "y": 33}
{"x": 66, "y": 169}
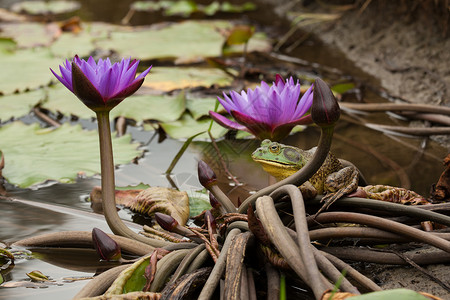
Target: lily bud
{"x": 213, "y": 201}
{"x": 206, "y": 175}
{"x": 106, "y": 247}
{"x": 210, "y": 220}
{"x": 325, "y": 109}
{"x": 166, "y": 222}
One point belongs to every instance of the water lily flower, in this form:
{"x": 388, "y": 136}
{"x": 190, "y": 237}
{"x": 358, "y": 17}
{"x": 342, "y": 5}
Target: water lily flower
{"x": 268, "y": 112}
{"x": 101, "y": 85}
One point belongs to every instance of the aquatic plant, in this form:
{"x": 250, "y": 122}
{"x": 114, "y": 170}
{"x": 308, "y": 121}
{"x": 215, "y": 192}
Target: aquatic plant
{"x": 101, "y": 86}
{"x": 268, "y": 112}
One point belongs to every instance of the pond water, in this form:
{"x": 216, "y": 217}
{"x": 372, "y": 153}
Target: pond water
{"x": 384, "y": 159}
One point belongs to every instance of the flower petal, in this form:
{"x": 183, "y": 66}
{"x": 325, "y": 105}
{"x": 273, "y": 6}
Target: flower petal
{"x": 223, "y": 121}
{"x": 85, "y": 90}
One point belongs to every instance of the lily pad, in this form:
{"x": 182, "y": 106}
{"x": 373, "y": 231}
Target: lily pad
{"x": 138, "y": 107}
{"x": 398, "y": 294}
{"x": 19, "y": 105}
{"x": 172, "y": 78}
{"x": 45, "y": 7}
{"x": 198, "y": 202}
{"x": 30, "y": 34}
{"x": 200, "y": 107}
{"x": 82, "y": 43}
{"x": 26, "y": 69}
{"x": 34, "y": 155}
{"x": 187, "y": 41}
{"x": 188, "y": 126}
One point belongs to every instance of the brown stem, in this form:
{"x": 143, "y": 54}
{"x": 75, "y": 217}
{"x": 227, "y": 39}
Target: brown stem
{"x": 361, "y": 279}
{"x": 301, "y": 227}
{"x": 108, "y": 185}
{"x": 273, "y": 282}
{"x": 381, "y": 223}
{"x": 219, "y": 268}
{"x": 279, "y": 236}
{"x": 82, "y": 238}
{"x": 367, "y": 255}
{"x": 373, "y": 107}
{"x": 323, "y": 147}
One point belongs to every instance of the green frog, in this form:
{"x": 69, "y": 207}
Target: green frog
{"x": 332, "y": 179}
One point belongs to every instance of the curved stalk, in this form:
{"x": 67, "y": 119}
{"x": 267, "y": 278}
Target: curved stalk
{"x": 84, "y": 239}
{"x": 165, "y": 267}
{"x": 100, "y": 283}
{"x": 108, "y": 185}
{"x": 302, "y": 175}
{"x": 408, "y": 210}
{"x": 388, "y": 258}
{"x": 301, "y": 227}
{"x": 288, "y": 248}
{"x": 388, "y": 225}
{"x": 219, "y": 268}
{"x": 186, "y": 262}
{"x": 361, "y": 279}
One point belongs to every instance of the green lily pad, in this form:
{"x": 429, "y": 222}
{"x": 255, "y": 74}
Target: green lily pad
{"x": 26, "y": 69}
{"x": 137, "y": 107}
{"x": 83, "y": 42}
{"x": 34, "y": 155}
{"x": 198, "y": 202}
{"x": 19, "y": 105}
{"x": 31, "y": 34}
{"x": 200, "y": 107}
{"x": 187, "y": 41}
{"x": 45, "y": 7}
{"x": 188, "y": 126}
{"x": 172, "y": 78}
{"x": 151, "y": 107}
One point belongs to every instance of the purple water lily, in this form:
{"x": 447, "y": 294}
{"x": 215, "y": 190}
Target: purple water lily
{"x": 101, "y": 85}
{"x": 268, "y": 112}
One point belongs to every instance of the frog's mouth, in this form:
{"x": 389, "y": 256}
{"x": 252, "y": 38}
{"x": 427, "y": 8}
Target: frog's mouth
{"x": 277, "y": 169}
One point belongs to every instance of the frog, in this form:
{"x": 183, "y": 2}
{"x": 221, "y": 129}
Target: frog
{"x": 333, "y": 179}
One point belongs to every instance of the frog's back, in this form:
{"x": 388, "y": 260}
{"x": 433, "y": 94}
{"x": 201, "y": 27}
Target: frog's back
{"x": 330, "y": 165}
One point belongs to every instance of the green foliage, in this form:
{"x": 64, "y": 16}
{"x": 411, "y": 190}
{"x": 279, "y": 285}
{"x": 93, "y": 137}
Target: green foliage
{"x": 33, "y": 155}
{"x": 45, "y": 7}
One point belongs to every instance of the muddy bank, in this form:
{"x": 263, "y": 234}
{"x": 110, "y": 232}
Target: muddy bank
{"x": 405, "y": 48}
{"x": 407, "y": 52}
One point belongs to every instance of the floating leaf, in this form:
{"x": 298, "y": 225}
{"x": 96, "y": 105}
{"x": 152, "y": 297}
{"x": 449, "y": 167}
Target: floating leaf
{"x": 198, "y": 202}
{"x": 200, "y": 107}
{"x": 151, "y": 107}
{"x": 33, "y": 154}
{"x": 137, "y": 107}
{"x": 172, "y": 78}
{"x": 19, "y": 105}
{"x": 187, "y": 41}
{"x": 341, "y": 88}
{"x": 45, "y": 7}
{"x": 81, "y": 43}
{"x": 160, "y": 199}
{"x": 4, "y": 252}
{"x": 26, "y": 69}
{"x": 240, "y": 34}
{"x": 37, "y": 276}
{"x": 30, "y": 34}
{"x": 187, "y": 127}
{"x": 182, "y": 8}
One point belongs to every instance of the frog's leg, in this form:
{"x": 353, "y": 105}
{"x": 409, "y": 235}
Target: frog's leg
{"x": 338, "y": 184}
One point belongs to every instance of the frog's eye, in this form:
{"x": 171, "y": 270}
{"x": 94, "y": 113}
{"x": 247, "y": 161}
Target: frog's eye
{"x": 274, "y": 148}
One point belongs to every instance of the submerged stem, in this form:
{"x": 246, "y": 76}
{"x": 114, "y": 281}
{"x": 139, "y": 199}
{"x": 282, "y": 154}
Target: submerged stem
{"x": 108, "y": 185}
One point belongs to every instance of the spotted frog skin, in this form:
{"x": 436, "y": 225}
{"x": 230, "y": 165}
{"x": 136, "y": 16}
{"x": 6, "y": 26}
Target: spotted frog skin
{"x": 332, "y": 179}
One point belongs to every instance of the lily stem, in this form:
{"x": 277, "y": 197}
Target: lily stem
{"x": 108, "y": 185}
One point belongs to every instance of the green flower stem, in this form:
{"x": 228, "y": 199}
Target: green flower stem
{"x": 302, "y": 175}
{"x": 108, "y": 185}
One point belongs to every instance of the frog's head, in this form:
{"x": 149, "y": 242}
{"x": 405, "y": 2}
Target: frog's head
{"x": 279, "y": 160}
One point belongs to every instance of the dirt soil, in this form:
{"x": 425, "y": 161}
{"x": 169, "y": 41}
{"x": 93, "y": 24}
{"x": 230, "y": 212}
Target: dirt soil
{"x": 408, "y": 50}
